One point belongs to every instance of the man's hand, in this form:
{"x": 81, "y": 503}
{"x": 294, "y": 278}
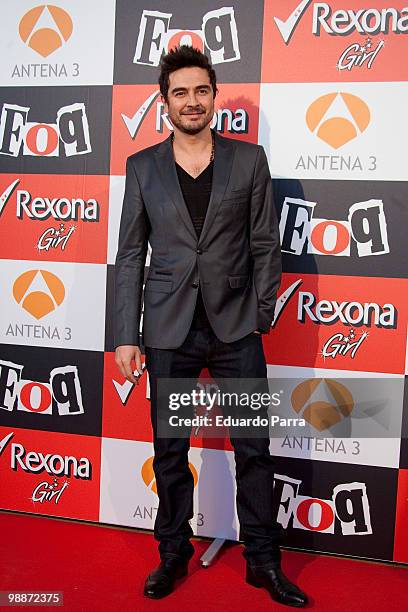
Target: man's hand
{"x": 128, "y": 359}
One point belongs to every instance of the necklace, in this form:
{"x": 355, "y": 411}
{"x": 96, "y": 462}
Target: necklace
{"x": 212, "y": 145}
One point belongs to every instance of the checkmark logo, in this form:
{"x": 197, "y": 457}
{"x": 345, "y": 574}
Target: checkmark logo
{"x": 283, "y": 300}
{"x": 4, "y": 441}
{"x": 5, "y": 196}
{"x": 133, "y": 123}
{"x": 286, "y": 28}
{"x": 123, "y": 390}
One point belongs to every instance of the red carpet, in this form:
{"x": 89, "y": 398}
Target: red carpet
{"x": 103, "y": 568}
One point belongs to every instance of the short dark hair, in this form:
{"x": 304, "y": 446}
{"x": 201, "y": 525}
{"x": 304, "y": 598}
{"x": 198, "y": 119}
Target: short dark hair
{"x": 184, "y": 56}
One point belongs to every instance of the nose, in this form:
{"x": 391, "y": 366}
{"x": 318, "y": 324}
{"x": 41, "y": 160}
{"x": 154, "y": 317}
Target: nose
{"x": 192, "y": 99}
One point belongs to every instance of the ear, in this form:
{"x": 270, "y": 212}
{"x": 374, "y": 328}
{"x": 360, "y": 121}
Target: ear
{"x": 166, "y": 106}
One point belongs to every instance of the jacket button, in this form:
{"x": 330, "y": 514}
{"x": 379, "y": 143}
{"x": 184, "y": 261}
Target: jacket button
{"x": 195, "y": 285}
{"x": 199, "y": 251}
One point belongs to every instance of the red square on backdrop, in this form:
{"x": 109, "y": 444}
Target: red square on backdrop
{"x": 401, "y": 531}
{"x": 317, "y": 314}
{"x": 306, "y": 41}
{"x": 50, "y": 473}
{"x": 54, "y": 218}
{"x": 139, "y": 119}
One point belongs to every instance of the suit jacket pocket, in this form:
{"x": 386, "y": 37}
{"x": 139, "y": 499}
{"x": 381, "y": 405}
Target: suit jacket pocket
{"x": 237, "y": 281}
{"x": 238, "y": 196}
{"x": 153, "y": 284}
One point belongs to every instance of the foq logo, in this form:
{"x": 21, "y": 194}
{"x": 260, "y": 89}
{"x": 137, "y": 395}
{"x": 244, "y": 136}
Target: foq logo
{"x": 302, "y": 233}
{"x": 346, "y": 512}
{"x": 320, "y": 413}
{"x": 149, "y": 479}
{"x": 62, "y": 392}
{"x": 39, "y": 292}
{"x": 69, "y": 134}
{"x": 45, "y": 28}
{"x": 343, "y": 22}
{"x": 337, "y": 118}
{"x": 218, "y": 35}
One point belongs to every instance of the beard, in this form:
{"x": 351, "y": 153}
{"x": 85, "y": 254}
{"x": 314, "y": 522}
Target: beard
{"x": 194, "y": 128}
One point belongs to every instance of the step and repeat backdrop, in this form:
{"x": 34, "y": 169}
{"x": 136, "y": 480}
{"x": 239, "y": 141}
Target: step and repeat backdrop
{"x": 323, "y": 87}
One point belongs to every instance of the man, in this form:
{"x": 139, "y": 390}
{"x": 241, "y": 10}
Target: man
{"x": 204, "y": 202}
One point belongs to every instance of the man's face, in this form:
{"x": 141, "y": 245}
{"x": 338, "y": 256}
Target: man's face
{"x": 190, "y": 103}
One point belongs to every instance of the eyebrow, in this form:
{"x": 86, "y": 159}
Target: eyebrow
{"x": 176, "y": 89}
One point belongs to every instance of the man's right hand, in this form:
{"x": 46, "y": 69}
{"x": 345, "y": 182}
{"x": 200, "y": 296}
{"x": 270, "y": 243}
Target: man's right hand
{"x": 128, "y": 359}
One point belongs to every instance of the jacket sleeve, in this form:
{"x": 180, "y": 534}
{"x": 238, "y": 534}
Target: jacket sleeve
{"x": 264, "y": 242}
{"x": 130, "y": 262}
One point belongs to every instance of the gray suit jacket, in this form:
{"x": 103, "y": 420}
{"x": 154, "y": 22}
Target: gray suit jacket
{"x": 236, "y": 261}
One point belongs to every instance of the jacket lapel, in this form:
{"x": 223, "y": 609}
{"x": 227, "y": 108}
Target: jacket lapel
{"x": 223, "y": 157}
{"x": 168, "y": 173}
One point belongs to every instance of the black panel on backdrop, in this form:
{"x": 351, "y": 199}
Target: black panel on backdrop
{"x": 226, "y": 31}
{"x": 350, "y": 228}
{"x": 355, "y": 500}
{"x": 55, "y": 130}
{"x": 110, "y": 289}
{"x": 51, "y": 389}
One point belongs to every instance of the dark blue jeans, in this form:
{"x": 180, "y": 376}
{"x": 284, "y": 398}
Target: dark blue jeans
{"x": 260, "y": 532}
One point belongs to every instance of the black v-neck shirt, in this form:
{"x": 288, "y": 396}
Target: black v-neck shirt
{"x": 196, "y": 193}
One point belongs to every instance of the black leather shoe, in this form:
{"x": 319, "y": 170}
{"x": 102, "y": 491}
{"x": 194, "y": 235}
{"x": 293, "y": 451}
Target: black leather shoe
{"x": 275, "y": 582}
{"x": 162, "y": 580}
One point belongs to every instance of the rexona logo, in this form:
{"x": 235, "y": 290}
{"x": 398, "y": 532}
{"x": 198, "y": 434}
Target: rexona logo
{"x": 365, "y": 226}
{"x": 149, "y": 479}
{"x": 34, "y": 462}
{"x": 337, "y": 118}
{"x": 39, "y": 292}
{"x": 343, "y": 22}
{"x": 224, "y": 119}
{"x": 62, "y": 392}
{"x": 43, "y": 208}
{"x": 319, "y": 413}
{"x": 331, "y": 312}
{"x": 218, "y": 35}
{"x": 45, "y": 28}
{"x": 346, "y": 511}
{"x": 69, "y": 135}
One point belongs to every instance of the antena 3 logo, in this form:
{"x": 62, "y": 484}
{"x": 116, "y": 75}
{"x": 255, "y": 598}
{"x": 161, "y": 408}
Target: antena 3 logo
{"x": 218, "y": 36}
{"x": 301, "y": 233}
{"x": 343, "y": 22}
{"x": 338, "y": 130}
{"x": 68, "y": 136}
{"x": 62, "y": 392}
{"x": 38, "y": 302}
{"x": 45, "y": 28}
